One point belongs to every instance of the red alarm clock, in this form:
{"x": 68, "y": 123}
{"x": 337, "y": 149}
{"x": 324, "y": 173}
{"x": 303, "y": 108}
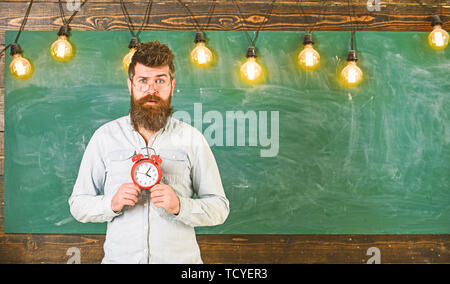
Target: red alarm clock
{"x": 146, "y": 172}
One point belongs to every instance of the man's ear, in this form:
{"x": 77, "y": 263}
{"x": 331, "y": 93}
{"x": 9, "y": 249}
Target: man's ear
{"x": 129, "y": 85}
{"x": 173, "y": 86}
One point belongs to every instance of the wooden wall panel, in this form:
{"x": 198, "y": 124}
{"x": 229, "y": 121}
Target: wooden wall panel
{"x": 400, "y": 15}
{"x": 405, "y": 15}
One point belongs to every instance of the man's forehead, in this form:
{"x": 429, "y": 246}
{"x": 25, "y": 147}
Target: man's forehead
{"x": 144, "y": 71}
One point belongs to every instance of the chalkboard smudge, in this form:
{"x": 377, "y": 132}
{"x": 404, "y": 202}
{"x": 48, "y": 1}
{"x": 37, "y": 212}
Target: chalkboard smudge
{"x": 64, "y": 221}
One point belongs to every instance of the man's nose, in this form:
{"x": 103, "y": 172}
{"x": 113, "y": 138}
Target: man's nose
{"x": 152, "y": 89}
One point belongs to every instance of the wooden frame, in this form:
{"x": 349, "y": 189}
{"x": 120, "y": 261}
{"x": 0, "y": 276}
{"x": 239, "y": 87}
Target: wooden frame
{"x": 400, "y": 15}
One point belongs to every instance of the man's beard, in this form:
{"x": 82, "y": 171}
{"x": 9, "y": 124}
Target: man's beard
{"x": 150, "y": 117}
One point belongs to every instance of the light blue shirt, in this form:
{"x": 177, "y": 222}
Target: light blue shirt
{"x": 144, "y": 233}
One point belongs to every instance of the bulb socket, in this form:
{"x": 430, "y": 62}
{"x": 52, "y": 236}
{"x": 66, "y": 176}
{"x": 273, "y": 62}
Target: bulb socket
{"x": 133, "y": 42}
{"x": 251, "y": 52}
{"x": 15, "y": 49}
{"x": 64, "y": 31}
{"x": 435, "y": 20}
{"x": 308, "y": 39}
{"x": 352, "y": 56}
{"x": 199, "y": 37}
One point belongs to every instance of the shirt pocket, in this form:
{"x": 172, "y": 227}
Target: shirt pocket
{"x": 175, "y": 165}
{"x": 119, "y": 162}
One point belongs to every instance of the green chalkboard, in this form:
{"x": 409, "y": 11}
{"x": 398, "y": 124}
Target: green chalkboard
{"x": 298, "y": 153}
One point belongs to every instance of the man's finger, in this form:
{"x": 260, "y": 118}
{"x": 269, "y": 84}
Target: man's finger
{"x": 159, "y": 204}
{"x": 131, "y": 191}
{"x": 158, "y": 199}
{"x": 128, "y": 202}
{"x": 130, "y": 187}
{"x": 130, "y": 197}
{"x": 157, "y": 193}
{"x": 159, "y": 187}
{"x": 133, "y": 187}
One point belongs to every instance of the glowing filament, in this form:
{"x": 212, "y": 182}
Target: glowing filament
{"x": 251, "y": 70}
{"x": 201, "y": 56}
{"x": 351, "y": 74}
{"x": 438, "y": 38}
{"x": 20, "y": 67}
{"x": 61, "y": 49}
{"x": 308, "y": 58}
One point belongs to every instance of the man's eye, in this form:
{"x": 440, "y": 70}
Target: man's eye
{"x": 142, "y": 81}
{"x": 160, "y": 81}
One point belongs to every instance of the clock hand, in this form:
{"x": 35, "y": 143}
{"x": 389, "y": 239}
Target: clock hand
{"x": 144, "y": 174}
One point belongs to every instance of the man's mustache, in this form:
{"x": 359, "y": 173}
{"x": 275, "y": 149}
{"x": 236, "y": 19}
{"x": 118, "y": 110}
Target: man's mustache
{"x": 149, "y": 98}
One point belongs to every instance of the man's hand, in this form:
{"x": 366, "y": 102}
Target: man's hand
{"x": 163, "y": 196}
{"x": 127, "y": 194}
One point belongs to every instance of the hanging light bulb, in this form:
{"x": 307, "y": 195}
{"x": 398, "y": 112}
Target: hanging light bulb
{"x": 61, "y": 49}
{"x": 127, "y": 58}
{"x": 20, "y": 67}
{"x": 438, "y": 38}
{"x": 308, "y": 58}
{"x": 251, "y": 71}
{"x": 201, "y": 56}
{"x": 351, "y": 74}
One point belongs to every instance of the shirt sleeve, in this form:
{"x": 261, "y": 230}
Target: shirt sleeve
{"x": 87, "y": 202}
{"x": 211, "y": 207}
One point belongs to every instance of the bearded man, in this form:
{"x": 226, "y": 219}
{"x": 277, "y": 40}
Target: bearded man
{"x": 156, "y": 225}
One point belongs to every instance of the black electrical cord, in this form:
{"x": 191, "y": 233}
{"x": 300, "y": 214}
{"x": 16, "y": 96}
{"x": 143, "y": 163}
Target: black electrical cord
{"x": 197, "y": 25}
{"x": 64, "y": 30}
{"x": 252, "y": 42}
{"x": 128, "y": 18}
{"x": 4, "y": 49}
{"x": 24, "y": 22}
{"x": 435, "y": 19}
{"x": 22, "y": 26}
{"x": 352, "y": 40}
{"x": 61, "y": 11}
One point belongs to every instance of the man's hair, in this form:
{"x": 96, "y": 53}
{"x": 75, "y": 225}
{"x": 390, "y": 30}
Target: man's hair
{"x": 152, "y": 54}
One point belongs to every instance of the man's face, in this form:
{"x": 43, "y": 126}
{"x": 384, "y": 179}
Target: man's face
{"x": 151, "y": 91}
{"x": 150, "y": 75}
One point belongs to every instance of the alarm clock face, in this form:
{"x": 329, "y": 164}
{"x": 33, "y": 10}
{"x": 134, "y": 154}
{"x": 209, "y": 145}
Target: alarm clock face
{"x": 145, "y": 174}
